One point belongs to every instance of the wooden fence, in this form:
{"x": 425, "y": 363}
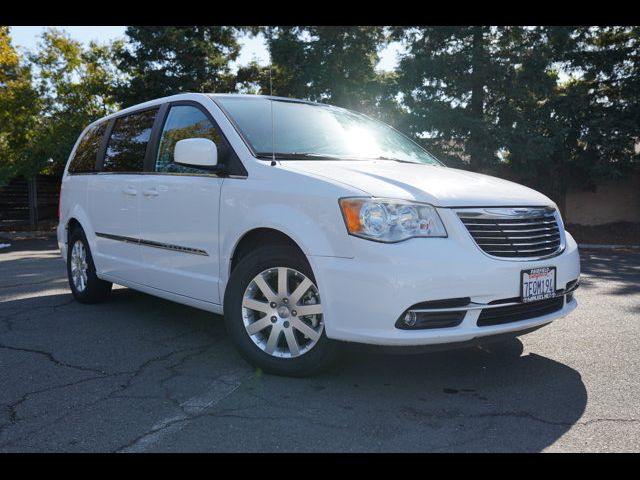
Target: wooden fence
{"x": 29, "y": 202}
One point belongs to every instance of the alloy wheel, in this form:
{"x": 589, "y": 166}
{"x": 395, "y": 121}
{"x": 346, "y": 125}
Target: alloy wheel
{"x": 79, "y": 266}
{"x": 282, "y": 312}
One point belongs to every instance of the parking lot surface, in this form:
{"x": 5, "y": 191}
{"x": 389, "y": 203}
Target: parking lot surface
{"x": 137, "y": 373}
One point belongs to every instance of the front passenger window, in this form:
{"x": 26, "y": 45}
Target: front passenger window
{"x": 183, "y": 121}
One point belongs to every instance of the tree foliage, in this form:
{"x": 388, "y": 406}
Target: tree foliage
{"x": 548, "y": 106}
{"x": 454, "y": 83}
{"x": 18, "y": 109}
{"x": 164, "y": 60}
{"x": 601, "y": 108}
{"x": 332, "y": 64}
{"x": 76, "y": 86}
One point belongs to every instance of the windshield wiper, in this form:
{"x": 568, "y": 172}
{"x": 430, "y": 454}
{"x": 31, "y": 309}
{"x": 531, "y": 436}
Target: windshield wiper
{"x": 323, "y": 156}
{"x": 394, "y": 159}
{"x": 298, "y": 156}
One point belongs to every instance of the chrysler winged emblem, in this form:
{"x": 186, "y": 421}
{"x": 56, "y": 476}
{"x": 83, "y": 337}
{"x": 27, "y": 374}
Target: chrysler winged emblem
{"x": 520, "y": 212}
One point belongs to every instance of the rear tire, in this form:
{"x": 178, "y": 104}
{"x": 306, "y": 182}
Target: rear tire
{"x": 283, "y": 340}
{"x": 85, "y": 286}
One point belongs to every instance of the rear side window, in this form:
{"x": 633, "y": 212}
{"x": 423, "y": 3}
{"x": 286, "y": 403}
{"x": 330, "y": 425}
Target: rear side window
{"x": 183, "y": 122}
{"x": 128, "y": 142}
{"x": 84, "y": 160}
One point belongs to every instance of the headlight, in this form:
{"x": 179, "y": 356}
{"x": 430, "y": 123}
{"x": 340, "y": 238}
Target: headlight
{"x": 390, "y": 220}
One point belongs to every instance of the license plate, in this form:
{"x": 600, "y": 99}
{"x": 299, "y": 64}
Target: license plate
{"x": 537, "y": 284}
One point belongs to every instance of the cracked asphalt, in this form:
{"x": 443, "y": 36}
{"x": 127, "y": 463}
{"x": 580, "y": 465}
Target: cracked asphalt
{"x": 139, "y": 374}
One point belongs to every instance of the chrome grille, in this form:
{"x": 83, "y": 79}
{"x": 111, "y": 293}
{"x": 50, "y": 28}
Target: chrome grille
{"x": 523, "y": 233}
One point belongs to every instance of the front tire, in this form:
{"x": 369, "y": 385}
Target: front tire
{"x": 85, "y": 286}
{"x": 273, "y": 313}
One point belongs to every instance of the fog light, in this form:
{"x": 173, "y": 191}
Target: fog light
{"x": 410, "y": 319}
{"x": 414, "y": 320}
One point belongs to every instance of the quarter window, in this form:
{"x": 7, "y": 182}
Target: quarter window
{"x": 84, "y": 160}
{"x": 128, "y": 142}
{"x": 183, "y": 121}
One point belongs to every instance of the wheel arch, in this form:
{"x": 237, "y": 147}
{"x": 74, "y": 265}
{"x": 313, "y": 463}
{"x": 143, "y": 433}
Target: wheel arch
{"x": 72, "y": 224}
{"x": 78, "y": 217}
{"x": 259, "y": 237}
{"x": 251, "y": 239}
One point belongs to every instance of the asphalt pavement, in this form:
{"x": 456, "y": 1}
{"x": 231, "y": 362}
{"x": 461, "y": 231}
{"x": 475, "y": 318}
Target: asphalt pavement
{"x": 138, "y": 373}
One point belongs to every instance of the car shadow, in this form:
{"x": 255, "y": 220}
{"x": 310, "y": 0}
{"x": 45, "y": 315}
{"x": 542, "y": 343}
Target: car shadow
{"x": 492, "y": 398}
{"x": 489, "y": 398}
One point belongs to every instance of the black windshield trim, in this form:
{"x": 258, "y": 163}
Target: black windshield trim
{"x": 319, "y": 156}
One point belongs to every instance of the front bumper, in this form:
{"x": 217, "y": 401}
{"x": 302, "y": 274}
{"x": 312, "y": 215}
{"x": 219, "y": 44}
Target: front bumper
{"x": 363, "y": 297}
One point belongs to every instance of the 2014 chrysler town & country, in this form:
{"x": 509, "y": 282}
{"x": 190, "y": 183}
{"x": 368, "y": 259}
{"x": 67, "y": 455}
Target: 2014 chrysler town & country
{"x": 305, "y": 224}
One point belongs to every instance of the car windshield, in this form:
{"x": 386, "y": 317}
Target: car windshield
{"x": 305, "y": 131}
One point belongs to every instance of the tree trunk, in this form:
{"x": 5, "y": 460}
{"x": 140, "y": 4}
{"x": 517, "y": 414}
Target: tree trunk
{"x": 477, "y": 99}
{"x": 561, "y": 171}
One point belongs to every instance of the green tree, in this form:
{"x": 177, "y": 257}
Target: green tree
{"x": 165, "y": 60}
{"x": 450, "y": 80}
{"x": 254, "y": 79}
{"x": 583, "y": 129}
{"x": 331, "y": 64}
{"x": 531, "y": 135}
{"x": 601, "y": 106}
{"x": 18, "y": 111}
{"x": 492, "y": 99}
{"x": 76, "y": 86}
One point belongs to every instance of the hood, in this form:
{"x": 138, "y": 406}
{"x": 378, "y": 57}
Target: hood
{"x": 439, "y": 186}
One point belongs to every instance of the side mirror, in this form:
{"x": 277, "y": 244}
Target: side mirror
{"x": 196, "y": 152}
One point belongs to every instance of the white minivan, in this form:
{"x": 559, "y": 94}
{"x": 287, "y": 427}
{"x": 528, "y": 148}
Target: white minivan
{"x": 307, "y": 224}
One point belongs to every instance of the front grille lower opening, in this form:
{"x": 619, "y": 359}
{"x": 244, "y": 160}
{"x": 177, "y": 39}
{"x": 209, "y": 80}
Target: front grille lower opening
{"x": 521, "y": 311}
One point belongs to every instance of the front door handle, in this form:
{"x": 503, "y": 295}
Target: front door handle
{"x": 150, "y": 192}
{"x": 130, "y": 191}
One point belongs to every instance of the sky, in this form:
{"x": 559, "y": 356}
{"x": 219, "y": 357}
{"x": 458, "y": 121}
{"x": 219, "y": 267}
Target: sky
{"x": 25, "y": 37}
